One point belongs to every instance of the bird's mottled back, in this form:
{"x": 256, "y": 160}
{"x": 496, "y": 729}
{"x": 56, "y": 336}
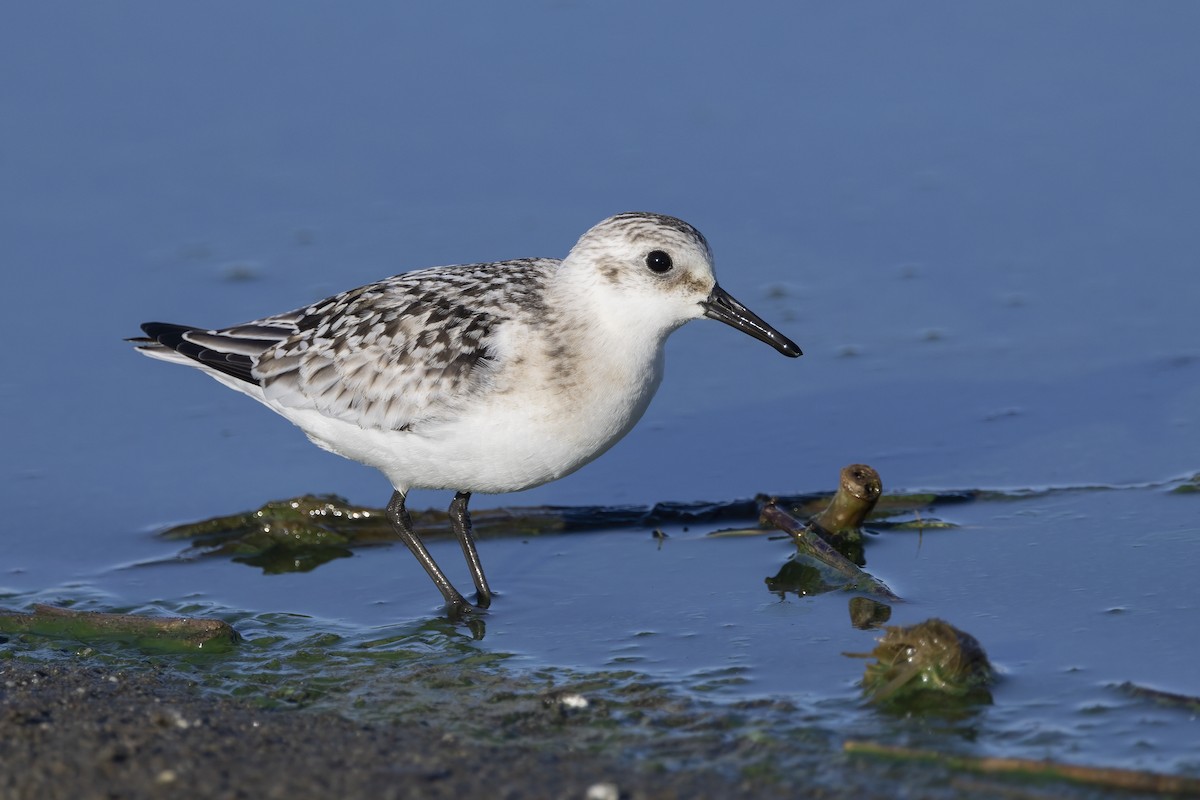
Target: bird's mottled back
{"x": 394, "y": 353}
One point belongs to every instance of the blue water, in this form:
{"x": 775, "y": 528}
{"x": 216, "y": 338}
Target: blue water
{"x": 977, "y": 221}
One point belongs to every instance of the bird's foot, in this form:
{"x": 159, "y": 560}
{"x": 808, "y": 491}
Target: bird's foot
{"x": 470, "y": 617}
{"x": 459, "y": 609}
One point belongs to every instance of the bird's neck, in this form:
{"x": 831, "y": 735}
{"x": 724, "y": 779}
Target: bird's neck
{"x": 592, "y": 321}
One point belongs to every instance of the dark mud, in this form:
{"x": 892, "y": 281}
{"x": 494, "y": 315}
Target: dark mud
{"x": 75, "y": 731}
{"x": 72, "y": 730}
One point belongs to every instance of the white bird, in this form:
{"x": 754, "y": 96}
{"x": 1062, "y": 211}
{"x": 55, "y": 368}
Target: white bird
{"x": 479, "y": 378}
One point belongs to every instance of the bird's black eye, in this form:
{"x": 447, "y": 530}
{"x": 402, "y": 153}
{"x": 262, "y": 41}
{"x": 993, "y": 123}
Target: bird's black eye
{"x": 658, "y": 261}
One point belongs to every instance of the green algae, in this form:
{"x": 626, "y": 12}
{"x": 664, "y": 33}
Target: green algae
{"x": 146, "y": 633}
{"x": 301, "y": 533}
{"x": 928, "y": 667}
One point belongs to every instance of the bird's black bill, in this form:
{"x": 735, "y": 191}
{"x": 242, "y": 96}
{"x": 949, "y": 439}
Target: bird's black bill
{"x": 721, "y": 305}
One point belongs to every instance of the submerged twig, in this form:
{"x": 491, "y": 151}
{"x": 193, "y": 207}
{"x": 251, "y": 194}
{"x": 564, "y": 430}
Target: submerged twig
{"x": 301, "y": 533}
{"x": 1108, "y": 777}
{"x": 1184, "y": 701}
{"x": 859, "y": 489}
{"x": 811, "y": 543}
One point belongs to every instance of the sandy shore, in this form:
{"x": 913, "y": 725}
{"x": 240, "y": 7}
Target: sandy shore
{"x": 78, "y": 731}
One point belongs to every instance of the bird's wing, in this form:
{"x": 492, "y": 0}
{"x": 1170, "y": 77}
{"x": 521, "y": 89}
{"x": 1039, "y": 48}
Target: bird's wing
{"x": 399, "y": 352}
{"x": 229, "y": 352}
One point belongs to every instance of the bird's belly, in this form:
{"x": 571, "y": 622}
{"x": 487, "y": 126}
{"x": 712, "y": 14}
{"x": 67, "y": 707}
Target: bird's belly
{"x": 510, "y": 445}
{"x": 504, "y": 443}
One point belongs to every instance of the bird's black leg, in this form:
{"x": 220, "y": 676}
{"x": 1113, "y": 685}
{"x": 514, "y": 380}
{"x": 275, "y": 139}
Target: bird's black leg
{"x": 402, "y": 523}
{"x": 460, "y": 519}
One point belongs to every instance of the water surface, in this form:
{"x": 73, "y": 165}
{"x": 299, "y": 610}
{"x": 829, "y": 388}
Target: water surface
{"x": 976, "y": 221}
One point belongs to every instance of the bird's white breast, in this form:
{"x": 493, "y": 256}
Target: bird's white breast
{"x": 553, "y": 404}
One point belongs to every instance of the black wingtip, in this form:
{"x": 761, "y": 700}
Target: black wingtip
{"x": 173, "y": 337}
{"x": 166, "y": 333}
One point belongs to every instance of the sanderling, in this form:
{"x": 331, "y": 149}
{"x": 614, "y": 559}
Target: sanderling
{"x": 478, "y": 378}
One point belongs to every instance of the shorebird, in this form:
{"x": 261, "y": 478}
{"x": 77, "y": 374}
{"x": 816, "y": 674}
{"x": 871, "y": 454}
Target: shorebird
{"x": 488, "y": 378}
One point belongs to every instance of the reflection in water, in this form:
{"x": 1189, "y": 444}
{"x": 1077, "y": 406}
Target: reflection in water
{"x": 275, "y": 558}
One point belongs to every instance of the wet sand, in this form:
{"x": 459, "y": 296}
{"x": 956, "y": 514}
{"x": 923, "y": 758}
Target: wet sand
{"x": 79, "y": 731}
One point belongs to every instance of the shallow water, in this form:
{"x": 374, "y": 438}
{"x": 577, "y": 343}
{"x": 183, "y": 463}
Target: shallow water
{"x": 1073, "y": 593}
{"x": 977, "y": 225}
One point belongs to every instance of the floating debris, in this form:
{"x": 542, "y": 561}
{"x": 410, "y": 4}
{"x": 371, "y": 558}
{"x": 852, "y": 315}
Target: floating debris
{"x": 1188, "y": 485}
{"x": 930, "y": 666}
{"x": 301, "y": 533}
{"x": 858, "y": 491}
